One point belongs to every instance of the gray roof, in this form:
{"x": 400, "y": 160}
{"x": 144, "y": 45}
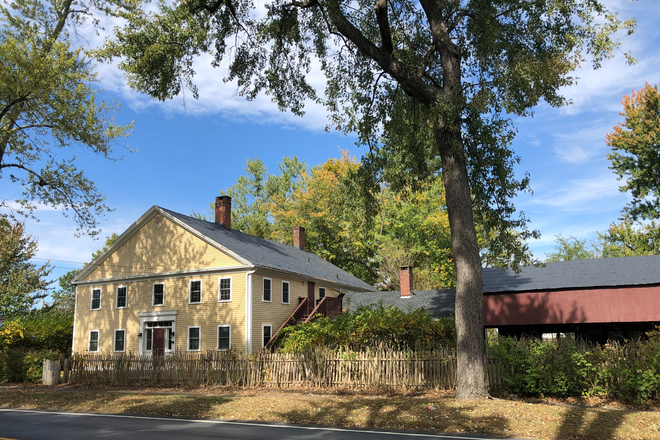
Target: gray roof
{"x": 272, "y": 255}
{"x": 437, "y": 302}
{"x": 576, "y": 274}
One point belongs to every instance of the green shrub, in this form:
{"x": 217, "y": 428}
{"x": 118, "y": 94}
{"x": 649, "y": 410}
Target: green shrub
{"x": 38, "y": 331}
{"x": 567, "y": 367}
{"x": 370, "y": 327}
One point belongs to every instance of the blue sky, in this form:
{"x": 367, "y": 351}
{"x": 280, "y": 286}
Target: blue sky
{"x": 186, "y": 154}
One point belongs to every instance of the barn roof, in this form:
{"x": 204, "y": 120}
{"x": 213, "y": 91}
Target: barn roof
{"x": 576, "y": 274}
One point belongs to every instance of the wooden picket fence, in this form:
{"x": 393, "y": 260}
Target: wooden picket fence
{"x": 322, "y": 368}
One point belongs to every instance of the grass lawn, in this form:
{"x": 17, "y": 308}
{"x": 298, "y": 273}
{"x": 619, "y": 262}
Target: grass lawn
{"x": 538, "y": 418}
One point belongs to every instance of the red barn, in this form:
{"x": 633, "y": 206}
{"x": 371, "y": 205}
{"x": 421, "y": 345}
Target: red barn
{"x": 596, "y": 299}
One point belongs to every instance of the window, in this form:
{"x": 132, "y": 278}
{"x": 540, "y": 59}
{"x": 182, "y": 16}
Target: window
{"x": 120, "y": 340}
{"x": 121, "y": 297}
{"x": 268, "y": 332}
{"x": 94, "y": 341}
{"x": 224, "y": 289}
{"x": 285, "y": 292}
{"x": 321, "y": 292}
{"x": 195, "y": 291}
{"x": 224, "y": 337}
{"x": 194, "y": 335}
{"x": 159, "y": 294}
{"x": 268, "y": 287}
{"x": 96, "y": 299}
{"x": 150, "y": 339}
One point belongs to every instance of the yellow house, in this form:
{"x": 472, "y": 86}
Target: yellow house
{"x": 176, "y": 284}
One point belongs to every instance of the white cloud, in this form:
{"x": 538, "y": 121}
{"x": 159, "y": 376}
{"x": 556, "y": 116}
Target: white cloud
{"x": 589, "y": 195}
{"x": 583, "y": 144}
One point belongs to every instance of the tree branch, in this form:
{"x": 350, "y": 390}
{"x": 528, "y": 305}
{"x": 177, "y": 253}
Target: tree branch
{"x": 413, "y": 86}
{"x": 384, "y": 26}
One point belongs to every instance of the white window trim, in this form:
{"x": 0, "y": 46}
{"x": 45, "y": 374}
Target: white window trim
{"x": 153, "y": 295}
{"x": 263, "y": 333}
{"x": 230, "y": 289}
{"x": 201, "y": 291}
{"x": 188, "y": 337}
{"x": 98, "y": 341}
{"x": 263, "y": 290}
{"x": 117, "y": 297}
{"x": 92, "y": 301}
{"x": 217, "y": 338}
{"x": 325, "y": 292}
{"x": 282, "y": 292}
{"x": 114, "y": 341}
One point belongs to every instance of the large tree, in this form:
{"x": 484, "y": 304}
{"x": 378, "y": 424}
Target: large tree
{"x": 19, "y": 278}
{"x": 48, "y": 101}
{"x": 433, "y": 79}
{"x": 635, "y": 146}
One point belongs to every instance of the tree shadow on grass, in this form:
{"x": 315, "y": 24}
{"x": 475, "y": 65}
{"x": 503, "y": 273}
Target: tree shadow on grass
{"x": 585, "y": 423}
{"x": 397, "y": 413}
{"x": 174, "y": 405}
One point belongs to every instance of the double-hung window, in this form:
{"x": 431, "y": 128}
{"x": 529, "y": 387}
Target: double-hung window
{"x": 267, "y": 333}
{"x": 159, "y": 294}
{"x": 224, "y": 337}
{"x": 321, "y": 292}
{"x": 120, "y": 340}
{"x": 96, "y": 299}
{"x": 224, "y": 289}
{"x": 268, "y": 290}
{"x": 194, "y": 338}
{"x": 195, "y": 291}
{"x": 121, "y": 297}
{"x": 94, "y": 341}
{"x": 285, "y": 292}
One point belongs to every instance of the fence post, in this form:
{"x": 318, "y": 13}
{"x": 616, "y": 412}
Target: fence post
{"x": 51, "y": 373}
{"x": 67, "y": 370}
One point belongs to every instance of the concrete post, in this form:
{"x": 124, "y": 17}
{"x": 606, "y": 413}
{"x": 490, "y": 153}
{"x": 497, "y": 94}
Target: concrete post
{"x": 51, "y": 374}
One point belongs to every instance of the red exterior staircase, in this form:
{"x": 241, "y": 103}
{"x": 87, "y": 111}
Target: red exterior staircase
{"x": 326, "y": 306}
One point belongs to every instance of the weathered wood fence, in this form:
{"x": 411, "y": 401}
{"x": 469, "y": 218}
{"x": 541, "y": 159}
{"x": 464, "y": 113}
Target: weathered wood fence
{"x": 345, "y": 369}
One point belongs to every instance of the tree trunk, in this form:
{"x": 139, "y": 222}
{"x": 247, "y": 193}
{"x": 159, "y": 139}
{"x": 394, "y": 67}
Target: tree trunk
{"x": 471, "y": 373}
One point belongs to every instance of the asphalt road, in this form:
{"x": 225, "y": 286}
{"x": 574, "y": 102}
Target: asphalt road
{"x": 30, "y": 424}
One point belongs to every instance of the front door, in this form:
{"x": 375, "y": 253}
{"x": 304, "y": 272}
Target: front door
{"x": 310, "y": 297}
{"x": 159, "y": 342}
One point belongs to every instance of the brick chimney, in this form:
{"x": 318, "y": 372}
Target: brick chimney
{"x": 299, "y": 237}
{"x": 406, "y": 277}
{"x": 223, "y": 211}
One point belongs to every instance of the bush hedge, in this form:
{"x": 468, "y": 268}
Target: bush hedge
{"x": 570, "y": 367}
{"x": 25, "y": 342}
{"x": 371, "y": 326}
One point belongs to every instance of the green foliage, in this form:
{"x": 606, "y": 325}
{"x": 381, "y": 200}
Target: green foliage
{"x": 567, "y": 249}
{"x": 19, "y": 278}
{"x": 48, "y": 102}
{"x": 567, "y": 367}
{"x": 635, "y": 144}
{"x": 370, "y": 327}
{"x": 627, "y": 239}
{"x": 413, "y": 229}
{"x": 38, "y": 331}
{"x": 27, "y": 340}
{"x": 20, "y": 365}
